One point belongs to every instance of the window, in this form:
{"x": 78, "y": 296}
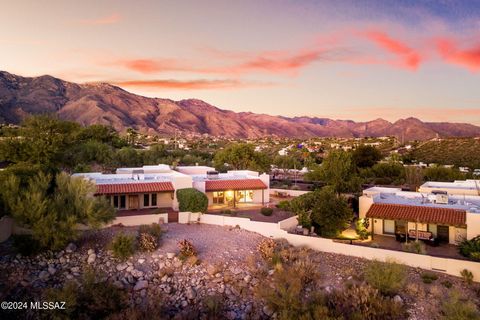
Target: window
{"x": 218, "y": 197}
{"x": 123, "y": 202}
{"x": 146, "y": 200}
{"x": 245, "y": 196}
{"x": 115, "y": 201}
{"x": 154, "y": 199}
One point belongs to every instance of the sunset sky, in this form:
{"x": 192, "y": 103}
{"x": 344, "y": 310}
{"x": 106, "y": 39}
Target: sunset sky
{"x": 356, "y": 60}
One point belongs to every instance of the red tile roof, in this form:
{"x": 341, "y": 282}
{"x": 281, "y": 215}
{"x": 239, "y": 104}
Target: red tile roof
{"x": 238, "y": 184}
{"x": 143, "y": 187}
{"x": 447, "y": 216}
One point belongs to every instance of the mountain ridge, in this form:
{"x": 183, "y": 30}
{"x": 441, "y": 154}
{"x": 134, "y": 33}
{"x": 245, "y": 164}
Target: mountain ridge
{"x": 108, "y": 104}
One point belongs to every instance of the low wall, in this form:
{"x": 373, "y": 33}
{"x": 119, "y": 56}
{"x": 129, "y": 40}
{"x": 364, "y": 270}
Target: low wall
{"x": 278, "y": 230}
{"x": 6, "y": 228}
{"x": 291, "y": 193}
{"x": 139, "y": 220}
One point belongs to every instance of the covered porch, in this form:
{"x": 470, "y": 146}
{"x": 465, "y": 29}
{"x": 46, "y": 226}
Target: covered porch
{"x": 247, "y": 193}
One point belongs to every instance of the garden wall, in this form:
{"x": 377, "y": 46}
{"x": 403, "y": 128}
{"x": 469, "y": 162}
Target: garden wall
{"x": 277, "y": 230}
{"x": 290, "y": 193}
{"x": 139, "y": 220}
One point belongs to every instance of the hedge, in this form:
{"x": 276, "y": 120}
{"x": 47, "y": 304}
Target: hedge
{"x": 192, "y": 200}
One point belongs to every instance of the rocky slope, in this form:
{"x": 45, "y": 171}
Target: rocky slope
{"x": 111, "y": 105}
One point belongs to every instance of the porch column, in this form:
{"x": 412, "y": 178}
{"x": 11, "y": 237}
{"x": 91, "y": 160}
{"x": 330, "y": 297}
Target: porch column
{"x": 263, "y": 197}
{"x": 234, "y": 198}
{"x": 373, "y": 227}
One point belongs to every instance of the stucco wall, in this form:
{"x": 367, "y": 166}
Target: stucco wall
{"x": 473, "y": 225}
{"x": 291, "y": 193}
{"x": 364, "y": 203}
{"x": 139, "y": 220}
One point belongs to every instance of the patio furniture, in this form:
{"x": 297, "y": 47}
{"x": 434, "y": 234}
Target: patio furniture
{"x": 425, "y": 236}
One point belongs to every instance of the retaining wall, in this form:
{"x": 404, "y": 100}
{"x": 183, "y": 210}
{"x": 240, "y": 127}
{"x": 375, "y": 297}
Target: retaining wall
{"x": 278, "y": 230}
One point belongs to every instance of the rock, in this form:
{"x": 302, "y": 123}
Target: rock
{"x": 398, "y": 299}
{"x": 121, "y": 266}
{"x": 267, "y": 311}
{"x": 190, "y": 293}
{"x": 52, "y": 270}
{"x": 90, "y": 251}
{"x": 118, "y": 284}
{"x": 237, "y": 271}
{"x": 141, "y": 260}
{"x": 211, "y": 270}
{"x": 136, "y": 273}
{"x": 71, "y": 247}
{"x": 231, "y": 315}
{"x": 91, "y": 258}
{"x": 140, "y": 285}
{"x": 43, "y": 275}
{"x": 328, "y": 289}
{"x": 247, "y": 278}
{"x": 170, "y": 255}
{"x": 75, "y": 269}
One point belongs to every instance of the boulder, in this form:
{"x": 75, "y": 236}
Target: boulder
{"x": 140, "y": 285}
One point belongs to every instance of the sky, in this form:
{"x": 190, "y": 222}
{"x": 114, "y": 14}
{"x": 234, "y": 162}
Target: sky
{"x": 358, "y": 59}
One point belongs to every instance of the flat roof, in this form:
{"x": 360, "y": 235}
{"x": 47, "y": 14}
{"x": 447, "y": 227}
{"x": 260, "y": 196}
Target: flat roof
{"x": 457, "y": 184}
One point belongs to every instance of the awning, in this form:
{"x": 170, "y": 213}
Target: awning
{"x": 421, "y": 214}
{"x": 238, "y": 184}
{"x": 128, "y": 188}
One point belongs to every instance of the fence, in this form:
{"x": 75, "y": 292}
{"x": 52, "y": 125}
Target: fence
{"x": 279, "y": 230}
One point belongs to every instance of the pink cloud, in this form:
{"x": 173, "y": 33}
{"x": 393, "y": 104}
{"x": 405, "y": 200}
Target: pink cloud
{"x": 111, "y": 19}
{"x": 409, "y": 57}
{"x": 451, "y": 52}
{"x": 188, "y": 84}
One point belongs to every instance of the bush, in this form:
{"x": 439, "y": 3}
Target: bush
{"x": 215, "y": 306}
{"x": 147, "y": 242}
{"x": 361, "y": 230}
{"x": 363, "y": 302}
{"x": 388, "y": 277}
{"x": 192, "y": 200}
{"x": 186, "y": 248}
{"x": 89, "y": 299}
{"x": 227, "y": 211}
{"x": 428, "y": 277}
{"x": 470, "y": 248}
{"x": 455, "y": 308}
{"x": 26, "y": 245}
{"x": 284, "y": 205}
{"x": 123, "y": 246}
{"x": 467, "y": 276}
{"x": 415, "y": 247}
{"x": 266, "y": 211}
{"x": 447, "y": 284}
{"x": 266, "y": 248}
{"x": 153, "y": 229}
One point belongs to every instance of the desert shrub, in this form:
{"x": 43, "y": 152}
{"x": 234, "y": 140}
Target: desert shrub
{"x": 89, "y": 299}
{"x": 227, "y": 211}
{"x": 414, "y": 247}
{"x": 266, "y": 211}
{"x": 306, "y": 270}
{"x": 186, "y": 248}
{"x": 388, "y": 277}
{"x": 147, "y": 242}
{"x": 304, "y": 218}
{"x": 467, "y": 276}
{"x": 470, "y": 248}
{"x": 455, "y": 308}
{"x": 192, "y": 200}
{"x": 447, "y": 284}
{"x": 26, "y": 245}
{"x": 363, "y": 302}
{"x": 266, "y": 248}
{"x": 123, "y": 246}
{"x": 286, "y": 297}
{"x": 428, "y": 277}
{"x": 214, "y": 306}
{"x": 153, "y": 229}
{"x": 361, "y": 230}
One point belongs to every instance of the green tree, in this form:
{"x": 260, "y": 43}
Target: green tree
{"x": 242, "y": 156}
{"x": 52, "y": 208}
{"x": 128, "y": 157}
{"x": 366, "y": 156}
{"x": 414, "y": 177}
{"x": 329, "y": 212}
{"x": 386, "y": 173}
{"x": 338, "y": 171}
{"x": 443, "y": 174}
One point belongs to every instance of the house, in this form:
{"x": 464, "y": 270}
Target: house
{"x": 436, "y": 214}
{"x": 155, "y": 186}
{"x": 140, "y": 188}
{"x": 457, "y": 187}
{"x": 229, "y": 189}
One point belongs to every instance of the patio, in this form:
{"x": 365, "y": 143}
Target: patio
{"x": 253, "y": 213}
{"x": 387, "y": 242}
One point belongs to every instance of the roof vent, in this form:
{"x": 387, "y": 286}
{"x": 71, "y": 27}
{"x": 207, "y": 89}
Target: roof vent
{"x": 212, "y": 175}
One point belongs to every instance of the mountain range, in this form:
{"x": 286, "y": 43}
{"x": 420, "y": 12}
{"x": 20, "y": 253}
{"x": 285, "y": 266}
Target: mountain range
{"x": 103, "y": 103}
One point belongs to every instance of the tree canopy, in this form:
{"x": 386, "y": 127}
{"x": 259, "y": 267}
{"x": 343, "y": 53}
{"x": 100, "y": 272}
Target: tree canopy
{"x": 366, "y": 156}
{"x": 241, "y": 156}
